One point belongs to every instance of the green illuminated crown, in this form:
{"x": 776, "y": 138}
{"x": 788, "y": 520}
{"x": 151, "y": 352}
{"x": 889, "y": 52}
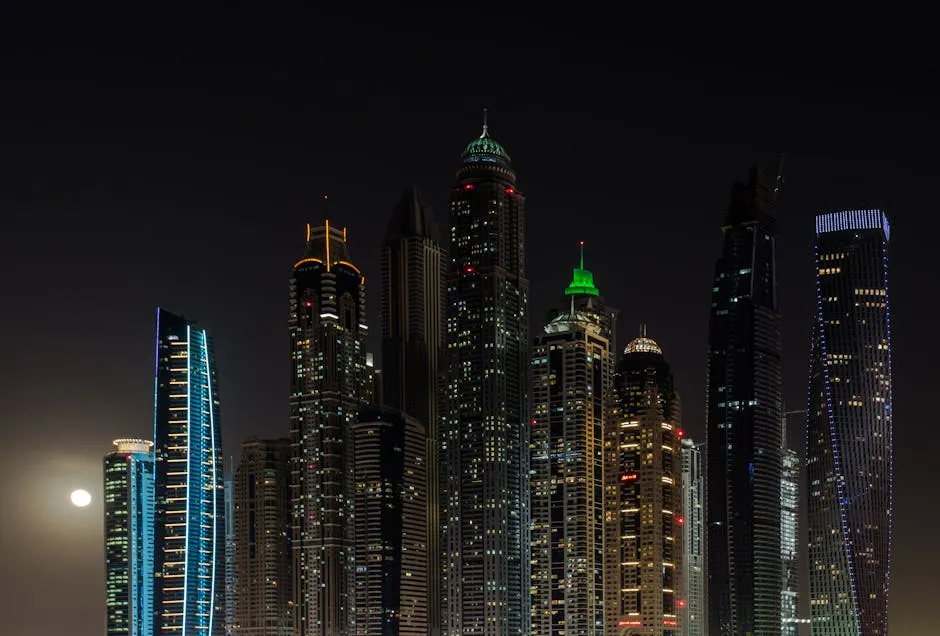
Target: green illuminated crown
{"x": 582, "y": 281}
{"x": 485, "y": 149}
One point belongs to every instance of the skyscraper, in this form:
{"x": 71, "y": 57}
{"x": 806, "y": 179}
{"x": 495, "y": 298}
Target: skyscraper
{"x": 391, "y": 511}
{"x": 330, "y": 382}
{"x": 128, "y": 538}
{"x": 572, "y": 372}
{"x": 413, "y": 352}
{"x": 744, "y": 415}
{"x": 262, "y": 516}
{"x": 485, "y": 441}
{"x": 789, "y": 542}
{"x": 229, "y": 486}
{"x": 644, "y": 505}
{"x": 189, "y": 512}
{"x": 691, "y": 602}
{"x": 849, "y": 445}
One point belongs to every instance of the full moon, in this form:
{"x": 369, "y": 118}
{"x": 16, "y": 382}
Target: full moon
{"x": 80, "y": 498}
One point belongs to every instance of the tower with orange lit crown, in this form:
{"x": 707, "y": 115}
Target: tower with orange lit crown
{"x": 330, "y": 382}
{"x": 644, "y": 503}
{"x": 572, "y": 375}
{"x": 485, "y": 432}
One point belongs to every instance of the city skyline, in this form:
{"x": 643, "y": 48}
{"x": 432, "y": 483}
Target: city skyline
{"x": 244, "y": 163}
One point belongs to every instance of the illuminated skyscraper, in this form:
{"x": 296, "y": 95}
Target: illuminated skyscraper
{"x": 644, "y": 506}
{"x": 263, "y": 573}
{"x": 789, "y": 542}
{"x": 229, "y": 553}
{"x": 413, "y": 352}
{"x": 330, "y": 382}
{"x": 744, "y": 422}
{"x": 691, "y": 601}
{"x": 485, "y": 439}
{"x": 849, "y": 446}
{"x": 128, "y": 538}
{"x": 572, "y": 370}
{"x": 391, "y": 511}
{"x": 189, "y": 513}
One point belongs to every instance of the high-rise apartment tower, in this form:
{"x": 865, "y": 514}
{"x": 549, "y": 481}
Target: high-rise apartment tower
{"x": 849, "y": 444}
{"x": 330, "y": 382}
{"x": 744, "y": 421}
{"x": 485, "y": 436}
{"x": 128, "y": 538}
{"x": 572, "y": 373}
{"x": 692, "y": 602}
{"x": 263, "y": 572}
{"x": 189, "y": 511}
{"x": 413, "y": 353}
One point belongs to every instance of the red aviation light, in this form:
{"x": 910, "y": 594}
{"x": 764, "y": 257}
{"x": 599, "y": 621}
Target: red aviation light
{"x": 128, "y": 458}
{"x": 469, "y": 269}
{"x": 468, "y": 186}
{"x": 680, "y": 433}
{"x": 680, "y": 520}
{"x": 534, "y": 421}
{"x": 510, "y": 190}
{"x": 308, "y": 304}
{"x": 680, "y": 602}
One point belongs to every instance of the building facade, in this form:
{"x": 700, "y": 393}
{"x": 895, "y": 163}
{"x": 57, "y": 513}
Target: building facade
{"x": 644, "y": 506}
{"x": 744, "y": 415}
{"x": 330, "y": 382}
{"x": 789, "y": 542}
{"x": 262, "y": 522}
{"x": 189, "y": 510}
{"x": 692, "y": 601}
{"x": 849, "y": 445}
{"x": 128, "y": 538}
{"x": 229, "y": 485}
{"x": 572, "y": 373}
{"x": 413, "y": 353}
{"x": 485, "y": 436}
{"x": 391, "y": 510}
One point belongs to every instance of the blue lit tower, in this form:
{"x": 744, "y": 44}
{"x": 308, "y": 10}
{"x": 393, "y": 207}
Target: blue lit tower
{"x": 128, "y": 538}
{"x": 485, "y": 443}
{"x": 849, "y": 452}
{"x": 330, "y": 382}
{"x": 744, "y": 422}
{"x": 189, "y": 511}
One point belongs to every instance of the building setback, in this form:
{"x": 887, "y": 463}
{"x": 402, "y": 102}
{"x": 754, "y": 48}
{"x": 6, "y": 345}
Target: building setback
{"x": 572, "y": 373}
{"x": 849, "y": 459}
{"x": 485, "y": 436}
{"x": 413, "y": 353}
{"x": 644, "y": 506}
{"x": 128, "y": 538}
{"x": 263, "y": 573}
{"x": 391, "y": 511}
{"x": 189, "y": 511}
{"x": 744, "y": 422}
{"x": 330, "y": 382}
{"x": 692, "y": 602}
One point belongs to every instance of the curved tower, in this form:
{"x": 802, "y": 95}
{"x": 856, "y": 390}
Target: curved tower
{"x": 330, "y": 382}
{"x": 850, "y": 428}
{"x": 571, "y": 378}
{"x": 485, "y": 441}
{"x": 644, "y": 504}
{"x": 744, "y": 422}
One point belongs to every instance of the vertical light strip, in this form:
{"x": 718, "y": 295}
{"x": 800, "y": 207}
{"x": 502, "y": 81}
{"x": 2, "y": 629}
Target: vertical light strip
{"x": 189, "y": 422}
{"x": 326, "y": 223}
{"x": 215, "y": 516}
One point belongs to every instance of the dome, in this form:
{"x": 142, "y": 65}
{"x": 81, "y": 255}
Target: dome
{"x": 643, "y": 344}
{"x": 485, "y": 149}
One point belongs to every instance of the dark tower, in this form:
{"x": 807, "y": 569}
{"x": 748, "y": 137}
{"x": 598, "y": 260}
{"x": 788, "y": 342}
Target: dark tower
{"x": 850, "y": 432}
{"x": 485, "y": 441}
{"x": 330, "y": 382}
{"x": 412, "y": 352}
{"x": 744, "y": 422}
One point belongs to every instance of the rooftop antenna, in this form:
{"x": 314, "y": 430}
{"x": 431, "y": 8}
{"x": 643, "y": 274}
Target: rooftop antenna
{"x": 485, "y": 127}
{"x": 582, "y": 254}
{"x": 778, "y": 182}
{"x": 642, "y": 329}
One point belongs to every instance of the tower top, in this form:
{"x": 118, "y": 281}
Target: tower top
{"x": 484, "y": 149}
{"x": 643, "y": 344}
{"x": 582, "y": 281}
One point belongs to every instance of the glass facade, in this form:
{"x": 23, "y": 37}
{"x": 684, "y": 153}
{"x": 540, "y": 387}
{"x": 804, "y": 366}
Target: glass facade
{"x": 572, "y": 374}
{"x": 644, "y": 504}
{"x": 128, "y": 538}
{"x": 485, "y": 436}
{"x": 189, "y": 512}
{"x": 330, "y": 382}
{"x": 229, "y": 555}
{"x": 744, "y": 421}
{"x": 849, "y": 444}
{"x": 789, "y": 542}
{"x": 692, "y": 601}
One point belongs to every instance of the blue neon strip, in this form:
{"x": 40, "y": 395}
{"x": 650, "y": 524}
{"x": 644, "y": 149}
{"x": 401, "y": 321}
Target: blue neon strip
{"x": 853, "y": 220}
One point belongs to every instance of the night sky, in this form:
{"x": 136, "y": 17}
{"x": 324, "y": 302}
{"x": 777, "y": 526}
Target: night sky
{"x": 154, "y": 159}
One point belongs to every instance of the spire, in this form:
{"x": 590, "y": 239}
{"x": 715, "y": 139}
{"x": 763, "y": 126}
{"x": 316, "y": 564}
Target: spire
{"x": 486, "y": 132}
{"x": 582, "y": 281}
{"x": 411, "y": 216}
{"x": 642, "y": 329}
